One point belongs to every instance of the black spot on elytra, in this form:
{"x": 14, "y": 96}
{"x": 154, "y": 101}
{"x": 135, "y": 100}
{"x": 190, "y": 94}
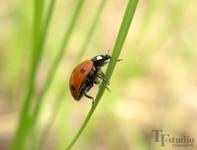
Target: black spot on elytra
{"x": 72, "y": 88}
{"x": 82, "y": 71}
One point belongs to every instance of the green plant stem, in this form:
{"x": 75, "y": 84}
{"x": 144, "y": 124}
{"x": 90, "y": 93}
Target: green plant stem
{"x": 91, "y": 31}
{"x": 55, "y": 64}
{"x": 63, "y": 92}
{"x": 18, "y": 142}
{"x": 131, "y": 7}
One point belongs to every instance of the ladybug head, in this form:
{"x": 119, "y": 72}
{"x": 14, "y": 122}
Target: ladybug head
{"x": 101, "y": 60}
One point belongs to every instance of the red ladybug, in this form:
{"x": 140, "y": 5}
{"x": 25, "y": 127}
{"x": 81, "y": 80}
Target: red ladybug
{"x": 86, "y": 74}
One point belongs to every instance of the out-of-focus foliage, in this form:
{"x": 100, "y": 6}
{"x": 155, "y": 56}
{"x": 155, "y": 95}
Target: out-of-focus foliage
{"x": 154, "y": 87}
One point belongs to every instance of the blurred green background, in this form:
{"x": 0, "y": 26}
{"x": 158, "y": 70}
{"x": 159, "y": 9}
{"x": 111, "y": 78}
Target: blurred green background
{"x": 154, "y": 87}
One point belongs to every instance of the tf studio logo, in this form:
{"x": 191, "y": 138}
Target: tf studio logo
{"x": 163, "y": 139}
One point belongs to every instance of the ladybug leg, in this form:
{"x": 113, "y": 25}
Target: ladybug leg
{"x": 96, "y": 81}
{"x": 102, "y": 76}
{"x": 90, "y": 97}
{"x": 104, "y": 79}
{"x": 107, "y": 88}
{"x": 106, "y": 83}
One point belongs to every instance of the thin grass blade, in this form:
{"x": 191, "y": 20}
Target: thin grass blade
{"x": 128, "y": 16}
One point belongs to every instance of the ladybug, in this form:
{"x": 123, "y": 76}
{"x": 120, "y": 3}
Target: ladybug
{"x": 86, "y": 74}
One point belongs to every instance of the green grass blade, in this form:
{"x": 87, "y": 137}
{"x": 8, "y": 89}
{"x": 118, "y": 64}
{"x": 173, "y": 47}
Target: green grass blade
{"x": 64, "y": 92}
{"x": 23, "y": 120}
{"x": 40, "y": 33}
{"x": 55, "y": 64}
{"x": 131, "y": 7}
{"x": 91, "y": 31}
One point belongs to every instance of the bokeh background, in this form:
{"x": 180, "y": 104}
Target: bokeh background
{"x": 154, "y": 87}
